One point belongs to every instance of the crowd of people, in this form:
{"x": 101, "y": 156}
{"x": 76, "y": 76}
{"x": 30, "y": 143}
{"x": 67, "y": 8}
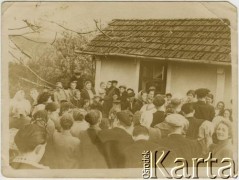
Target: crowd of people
{"x": 110, "y": 127}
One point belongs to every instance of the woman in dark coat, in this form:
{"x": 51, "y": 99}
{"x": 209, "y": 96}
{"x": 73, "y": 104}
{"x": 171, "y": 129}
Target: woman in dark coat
{"x": 88, "y": 92}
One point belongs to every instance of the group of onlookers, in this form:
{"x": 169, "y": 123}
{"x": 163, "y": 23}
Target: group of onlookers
{"x": 111, "y": 127}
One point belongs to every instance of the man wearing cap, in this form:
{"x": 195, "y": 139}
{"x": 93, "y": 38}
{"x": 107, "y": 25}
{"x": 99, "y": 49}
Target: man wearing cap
{"x": 177, "y": 126}
{"x": 202, "y": 109}
{"x": 115, "y": 140}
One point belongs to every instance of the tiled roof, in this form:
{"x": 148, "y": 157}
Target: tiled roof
{"x": 206, "y": 40}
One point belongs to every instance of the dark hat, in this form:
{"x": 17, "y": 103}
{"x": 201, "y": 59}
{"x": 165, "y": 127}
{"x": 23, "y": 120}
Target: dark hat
{"x": 168, "y": 94}
{"x": 192, "y": 92}
{"x": 124, "y": 117}
{"x": 130, "y": 89}
{"x": 158, "y": 100}
{"x": 132, "y": 94}
{"x": 122, "y": 86}
{"x": 114, "y": 81}
{"x": 202, "y": 92}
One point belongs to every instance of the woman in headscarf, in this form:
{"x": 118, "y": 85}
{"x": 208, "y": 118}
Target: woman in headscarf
{"x": 223, "y": 147}
{"x": 19, "y": 101}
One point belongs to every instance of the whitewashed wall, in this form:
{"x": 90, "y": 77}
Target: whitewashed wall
{"x": 124, "y": 70}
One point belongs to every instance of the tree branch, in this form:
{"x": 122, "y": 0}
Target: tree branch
{"x": 32, "y": 26}
{"x": 29, "y": 39}
{"x": 27, "y": 80}
{"x": 54, "y": 39}
{"x": 96, "y": 24}
{"x": 31, "y": 70}
{"x": 79, "y": 33}
{"x": 18, "y": 28}
{"x": 21, "y": 49}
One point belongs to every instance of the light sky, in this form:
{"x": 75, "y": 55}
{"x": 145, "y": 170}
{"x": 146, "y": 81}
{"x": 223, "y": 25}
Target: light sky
{"x": 80, "y": 16}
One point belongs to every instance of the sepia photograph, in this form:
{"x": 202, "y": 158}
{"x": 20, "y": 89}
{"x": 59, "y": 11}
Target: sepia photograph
{"x": 119, "y": 89}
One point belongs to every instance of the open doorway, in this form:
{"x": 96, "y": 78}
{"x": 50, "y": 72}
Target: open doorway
{"x": 153, "y": 73}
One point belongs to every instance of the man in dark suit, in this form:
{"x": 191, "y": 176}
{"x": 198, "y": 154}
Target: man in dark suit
{"x": 116, "y": 139}
{"x": 132, "y": 104}
{"x": 113, "y": 90}
{"x": 194, "y": 123}
{"x": 123, "y": 97}
{"x": 133, "y": 153}
{"x": 202, "y": 109}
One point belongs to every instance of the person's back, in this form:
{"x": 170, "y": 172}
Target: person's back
{"x": 67, "y": 150}
{"x": 202, "y": 109}
{"x": 114, "y": 141}
{"x": 66, "y": 146}
{"x": 91, "y": 150}
{"x": 193, "y": 129}
{"x": 133, "y": 152}
{"x": 79, "y": 123}
{"x": 182, "y": 146}
{"x": 177, "y": 126}
{"x": 159, "y": 115}
{"x": 188, "y": 111}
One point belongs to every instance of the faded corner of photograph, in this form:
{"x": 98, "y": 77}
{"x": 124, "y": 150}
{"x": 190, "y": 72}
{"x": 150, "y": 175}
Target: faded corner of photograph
{"x": 119, "y": 89}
